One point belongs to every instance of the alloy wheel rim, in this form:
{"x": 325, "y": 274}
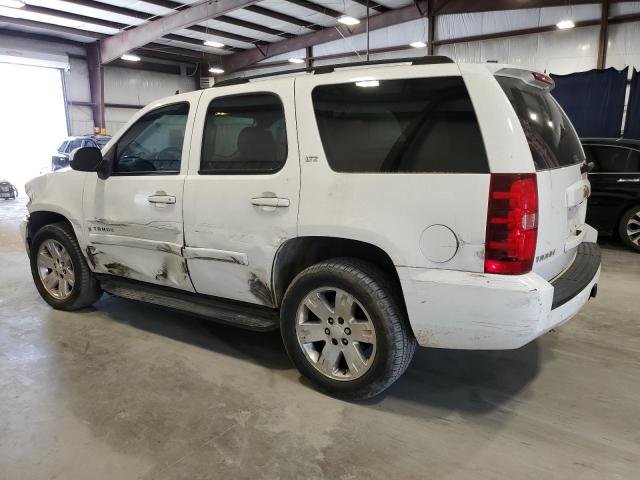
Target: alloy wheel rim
{"x": 633, "y": 228}
{"x": 336, "y": 334}
{"x": 55, "y": 269}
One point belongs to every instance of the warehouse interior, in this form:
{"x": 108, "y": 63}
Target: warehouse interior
{"x": 124, "y": 389}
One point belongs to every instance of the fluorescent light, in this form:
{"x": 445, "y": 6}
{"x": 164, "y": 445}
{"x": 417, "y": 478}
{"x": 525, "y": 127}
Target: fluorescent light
{"x": 130, "y": 57}
{"x": 368, "y": 83}
{"x": 296, "y": 60}
{"x": 347, "y": 20}
{"x": 213, "y": 43}
{"x": 216, "y": 70}
{"x": 11, "y": 3}
{"x": 418, "y": 44}
{"x": 565, "y": 24}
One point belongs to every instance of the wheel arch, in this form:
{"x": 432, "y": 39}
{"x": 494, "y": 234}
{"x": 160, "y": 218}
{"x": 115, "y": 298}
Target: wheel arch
{"x": 40, "y": 218}
{"x": 299, "y": 253}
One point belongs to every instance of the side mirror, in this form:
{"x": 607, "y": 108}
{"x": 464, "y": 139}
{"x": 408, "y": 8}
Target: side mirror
{"x": 86, "y": 159}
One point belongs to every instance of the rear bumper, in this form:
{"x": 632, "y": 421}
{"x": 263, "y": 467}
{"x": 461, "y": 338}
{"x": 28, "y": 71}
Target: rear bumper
{"x": 477, "y": 311}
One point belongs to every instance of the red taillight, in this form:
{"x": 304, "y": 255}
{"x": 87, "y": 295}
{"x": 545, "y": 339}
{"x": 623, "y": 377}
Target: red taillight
{"x": 512, "y": 223}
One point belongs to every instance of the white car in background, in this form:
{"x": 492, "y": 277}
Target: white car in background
{"x": 361, "y": 211}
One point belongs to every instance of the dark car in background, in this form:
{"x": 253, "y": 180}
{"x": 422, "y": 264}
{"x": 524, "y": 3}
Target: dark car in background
{"x": 614, "y": 205}
{"x": 61, "y": 158}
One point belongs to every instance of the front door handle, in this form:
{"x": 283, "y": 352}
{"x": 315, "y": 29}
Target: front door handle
{"x": 273, "y": 202}
{"x": 162, "y": 199}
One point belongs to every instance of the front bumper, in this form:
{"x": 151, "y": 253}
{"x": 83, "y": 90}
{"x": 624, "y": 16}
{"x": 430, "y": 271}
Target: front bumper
{"x": 24, "y": 233}
{"x": 478, "y": 311}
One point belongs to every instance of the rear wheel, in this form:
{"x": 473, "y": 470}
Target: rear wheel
{"x": 344, "y": 329}
{"x": 59, "y": 270}
{"x": 629, "y": 228}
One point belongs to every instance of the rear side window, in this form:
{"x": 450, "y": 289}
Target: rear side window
{"x": 611, "y": 159}
{"x": 244, "y": 134}
{"x": 418, "y": 125}
{"x": 552, "y": 140}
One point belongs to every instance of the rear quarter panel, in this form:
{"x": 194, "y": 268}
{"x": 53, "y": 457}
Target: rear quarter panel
{"x": 390, "y": 211}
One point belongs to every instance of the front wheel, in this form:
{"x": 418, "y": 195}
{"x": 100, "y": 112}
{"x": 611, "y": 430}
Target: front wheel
{"x": 629, "y": 228}
{"x": 59, "y": 270}
{"x": 344, "y": 329}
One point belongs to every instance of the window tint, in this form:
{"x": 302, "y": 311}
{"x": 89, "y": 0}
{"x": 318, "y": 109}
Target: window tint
{"x": 73, "y": 144}
{"x": 405, "y": 126}
{"x": 244, "y": 134}
{"x": 154, "y": 143}
{"x": 552, "y": 139}
{"x": 62, "y": 147}
{"x": 611, "y": 159}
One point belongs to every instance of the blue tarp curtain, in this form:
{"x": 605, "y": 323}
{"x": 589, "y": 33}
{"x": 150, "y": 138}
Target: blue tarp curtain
{"x": 632, "y": 124}
{"x": 593, "y": 100}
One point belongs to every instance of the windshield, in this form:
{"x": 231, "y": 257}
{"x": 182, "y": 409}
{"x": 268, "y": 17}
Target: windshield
{"x": 551, "y": 137}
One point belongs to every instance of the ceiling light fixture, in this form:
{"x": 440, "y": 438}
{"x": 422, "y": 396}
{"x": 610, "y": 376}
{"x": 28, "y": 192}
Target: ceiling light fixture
{"x": 216, "y": 70}
{"x": 296, "y": 60}
{"x": 565, "y": 24}
{"x": 12, "y": 3}
{"x": 347, "y": 20}
{"x": 130, "y": 57}
{"x": 213, "y": 43}
{"x": 418, "y": 44}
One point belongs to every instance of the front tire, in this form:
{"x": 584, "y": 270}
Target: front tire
{"x": 629, "y": 228}
{"x": 345, "y": 330}
{"x": 59, "y": 270}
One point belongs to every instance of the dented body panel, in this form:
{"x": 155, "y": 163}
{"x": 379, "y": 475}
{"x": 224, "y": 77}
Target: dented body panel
{"x": 230, "y": 242}
{"x": 128, "y": 235}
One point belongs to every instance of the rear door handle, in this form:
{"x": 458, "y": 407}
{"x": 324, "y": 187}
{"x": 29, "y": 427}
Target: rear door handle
{"x": 162, "y": 200}
{"x": 273, "y": 202}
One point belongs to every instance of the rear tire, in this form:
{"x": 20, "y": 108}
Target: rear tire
{"x": 59, "y": 270}
{"x": 629, "y": 228}
{"x": 344, "y": 328}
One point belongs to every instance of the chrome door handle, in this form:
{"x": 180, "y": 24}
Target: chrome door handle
{"x": 162, "y": 199}
{"x": 273, "y": 202}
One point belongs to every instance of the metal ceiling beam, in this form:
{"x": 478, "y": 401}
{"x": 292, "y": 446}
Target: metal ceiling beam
{"x": 51, "y": 27}
{"x": 253, "y": 26}
{"x": 440, "y": 7}
{"x": 41, "y": 37}
{"x": 282, "y": 17}
{"x": 73, "y": 16}
{"x": 148, "y": 16}
{"x": 604, "y": 34}
{"x": 372, "y": 5}
{"x": 117, "y": 45}
{"x": 177, "y": 5}
{"x": 105, "y": 7}
{"x": 241, "y": 60}
{"x": 317, "y": 8}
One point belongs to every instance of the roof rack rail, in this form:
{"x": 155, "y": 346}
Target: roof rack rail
{"x": 426, "y": 60}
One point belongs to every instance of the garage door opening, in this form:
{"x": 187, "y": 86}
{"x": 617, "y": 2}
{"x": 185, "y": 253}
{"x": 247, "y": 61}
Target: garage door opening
{"x": 32, "y": 120}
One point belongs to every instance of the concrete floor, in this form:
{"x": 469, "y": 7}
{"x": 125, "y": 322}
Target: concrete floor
{"x": 128, "y": 390}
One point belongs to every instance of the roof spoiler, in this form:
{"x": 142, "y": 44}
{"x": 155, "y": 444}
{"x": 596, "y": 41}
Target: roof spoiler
{"x": 536, "y": 79}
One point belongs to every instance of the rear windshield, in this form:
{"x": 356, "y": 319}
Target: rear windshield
{"x": 417, "y": 125}
{"x": 552, "y": 139}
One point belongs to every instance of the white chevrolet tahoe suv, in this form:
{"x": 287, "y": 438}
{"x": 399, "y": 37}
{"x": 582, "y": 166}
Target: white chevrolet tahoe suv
{"x": 360, "y": 210}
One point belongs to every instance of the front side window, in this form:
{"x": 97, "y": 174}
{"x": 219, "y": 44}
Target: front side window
{"x": 244, "y": 134}
{"x": 417, "y": 125}
{"x": 611, "y": 159}
{"x": 153, "y": 145}
{"x": 62, "y": 148}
